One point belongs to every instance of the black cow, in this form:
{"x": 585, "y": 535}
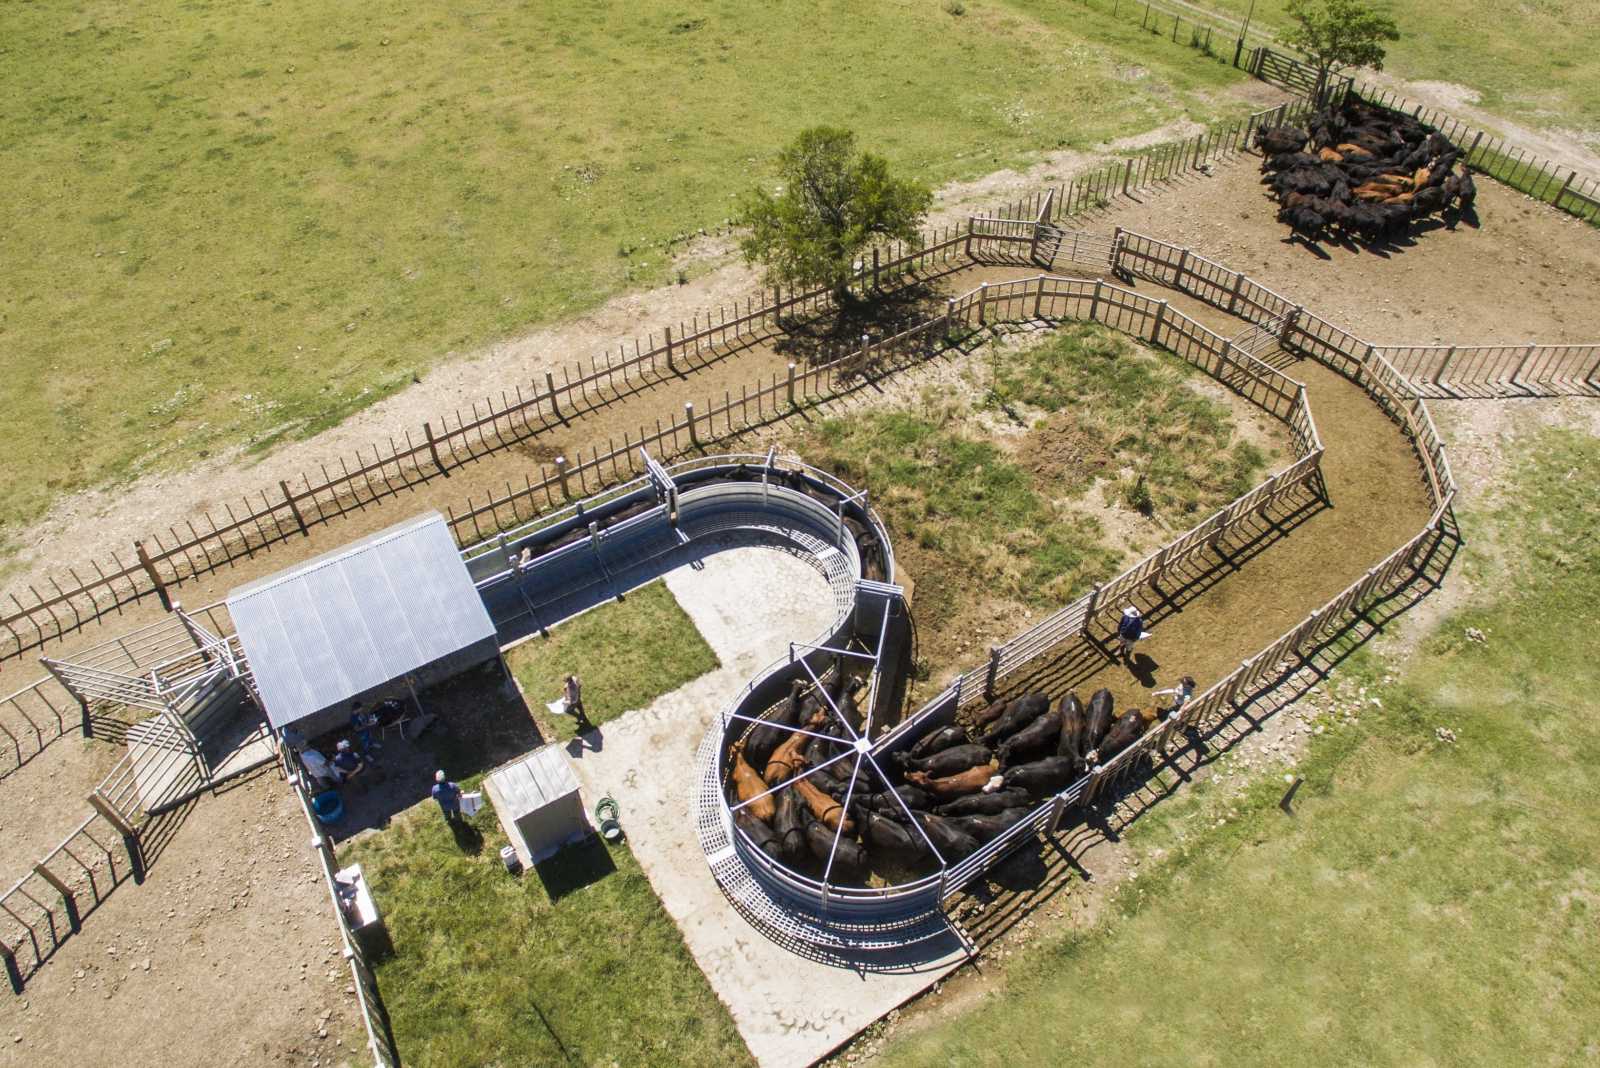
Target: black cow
{"x": 984, "y": 804}
{"x": 950, "y": 761}
{"x": 932, "y": 742}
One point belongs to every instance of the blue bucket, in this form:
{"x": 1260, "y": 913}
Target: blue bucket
{"x": 328, "y": 806}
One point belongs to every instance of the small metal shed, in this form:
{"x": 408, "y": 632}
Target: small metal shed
{"x": 391, "y": 612}
{"x": 536, "y": 798}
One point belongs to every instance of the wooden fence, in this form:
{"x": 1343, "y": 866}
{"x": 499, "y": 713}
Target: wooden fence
{"x": 48, "y": 904}
{"x": 1556, "y": 184}
{"x": 1312, "y": 337}
{"x": 58, "y": 605}
{"x": 1483, "y": 371}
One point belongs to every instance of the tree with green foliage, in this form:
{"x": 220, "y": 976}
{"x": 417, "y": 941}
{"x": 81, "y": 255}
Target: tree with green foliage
{"x": 1336, "y": 34}
{"x": 832, "y": 203}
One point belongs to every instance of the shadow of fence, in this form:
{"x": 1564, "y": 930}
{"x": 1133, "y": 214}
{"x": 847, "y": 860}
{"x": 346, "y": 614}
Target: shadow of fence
{"x": 1046, "y": 866}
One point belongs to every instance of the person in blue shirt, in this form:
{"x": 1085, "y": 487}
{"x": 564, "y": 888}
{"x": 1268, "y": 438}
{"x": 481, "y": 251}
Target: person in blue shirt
{"x": 1129, "y": 630}
{"x": 448, "y": 794}
{"x": 361, "y": 725}
{"x": 347, "y": 762}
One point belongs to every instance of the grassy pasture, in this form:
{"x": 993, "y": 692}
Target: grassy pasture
{"x": 575, "y": 962}
{"x": 231, "y": 223}
{"x": 978, "y": 486}
{"x": 1532, "y": 62}
{"x": 1425, "y": 894}
{"x": 626, "y": 655}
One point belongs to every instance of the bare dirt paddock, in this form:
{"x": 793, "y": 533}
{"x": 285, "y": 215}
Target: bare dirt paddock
{"x": 232, "y": 921}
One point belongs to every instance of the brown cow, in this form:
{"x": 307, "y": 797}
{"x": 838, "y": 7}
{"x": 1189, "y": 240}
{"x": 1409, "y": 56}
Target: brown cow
{"x": 968, "y": 782}
{"x": 824, "y": 807}
{"x": 750, "y": 788}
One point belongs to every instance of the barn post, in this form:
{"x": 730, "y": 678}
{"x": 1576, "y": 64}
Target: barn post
{"x": 791, "y": 384}
{"x": 688, "y": 410}
{"x": 561, "y": 473}
{"x": 155, "y": 578}
{"x": 994, "y": 671}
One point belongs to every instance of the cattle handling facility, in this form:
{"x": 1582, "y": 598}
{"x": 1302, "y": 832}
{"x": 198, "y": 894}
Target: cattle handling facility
{"x": 381, "y": 617}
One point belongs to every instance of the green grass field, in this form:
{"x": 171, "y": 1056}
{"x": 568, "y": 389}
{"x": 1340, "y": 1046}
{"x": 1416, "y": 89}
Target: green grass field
{"x": 626, "y": 655}
{"x": 575, "y": 962}
{"x": 1531, "y": 62}
{"x": 1430, "y": 902}
{"x": 229, "y": 224}
{"x": 985, "y": 514}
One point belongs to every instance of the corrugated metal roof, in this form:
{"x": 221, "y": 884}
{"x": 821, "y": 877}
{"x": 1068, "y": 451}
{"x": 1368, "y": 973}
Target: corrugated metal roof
{"x": 358, "y": 617}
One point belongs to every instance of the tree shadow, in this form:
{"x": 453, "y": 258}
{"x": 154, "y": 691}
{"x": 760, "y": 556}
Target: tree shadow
{"x": 839, "y": 331}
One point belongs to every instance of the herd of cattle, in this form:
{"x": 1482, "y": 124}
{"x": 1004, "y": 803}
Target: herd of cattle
{"x": 1362, "y": 170}
{"x": 955, "y": 787}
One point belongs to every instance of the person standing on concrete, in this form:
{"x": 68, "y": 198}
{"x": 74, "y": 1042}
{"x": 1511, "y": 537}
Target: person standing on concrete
{"x": 1129, "y": 630}
{"x": 572, "y": 696}
{"x": 448, "y": 794}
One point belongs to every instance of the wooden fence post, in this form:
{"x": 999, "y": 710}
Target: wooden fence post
{"x": 1290, "y": 323}
{"x": 1126, "y": 175}
{"x": 1444, "y": 364}
{"x": 994, "y": 672}
{"x": 670, "y": 365}
{"x": 694, "y": 436}
{"x": 289, "y": 500}
{"x": 949, "y": 317}
{"x": 874, "y": 266}
{"x": 1089, "y": 609}
{"x": 1038, "y": 298}
{"x": 150, "y": 570}
{"x": 1177, "y": 274}
{"x": 12, "y": 971}
{"x": 1058, "y": 809}
{"x": 970, "y": 222}
{"x": 68, "y": 901}
{"x": 1474, "y": 147}
{"x": 561, "y": 473}
{"x": 130, "y": 836}
{"x": 1094, "y": 301}
{"x": 791, "y": 384}
{"x": 433, "y": 448}
{"x": 1116, "y": 249}
{"x": 1238, "y": 290}
{"x": 550, "y": 391}
{"x": 1161, "y": 315}
{"x": 983, "y": 291}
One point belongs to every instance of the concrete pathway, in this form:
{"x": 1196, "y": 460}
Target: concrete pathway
{"x": 748, "y": 603}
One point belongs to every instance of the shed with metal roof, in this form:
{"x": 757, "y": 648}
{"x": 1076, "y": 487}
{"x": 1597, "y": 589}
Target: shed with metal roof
{"x": 391, "y": 613}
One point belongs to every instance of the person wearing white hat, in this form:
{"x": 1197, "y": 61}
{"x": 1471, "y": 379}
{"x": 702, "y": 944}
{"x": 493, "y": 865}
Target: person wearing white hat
{"x": 347, "y": 762}
{"x": 448, "y": 794}
{"x": 1129, "y": 630}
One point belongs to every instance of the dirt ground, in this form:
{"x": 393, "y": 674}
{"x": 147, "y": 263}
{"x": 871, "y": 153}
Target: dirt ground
{"x": 227, "y": 954}
{"x": 1437, "y": 289}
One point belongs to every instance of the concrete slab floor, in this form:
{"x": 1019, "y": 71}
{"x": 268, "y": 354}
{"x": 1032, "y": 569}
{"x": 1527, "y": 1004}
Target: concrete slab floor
{"x": 748, "y": 603}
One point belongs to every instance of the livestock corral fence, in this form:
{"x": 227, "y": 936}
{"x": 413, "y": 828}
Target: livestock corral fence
{"x": 60, "y": 604}
{"x": 1300, "y": 332}
{"x": 374, "y": 1017}
{"x": 1557, "y": 184}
